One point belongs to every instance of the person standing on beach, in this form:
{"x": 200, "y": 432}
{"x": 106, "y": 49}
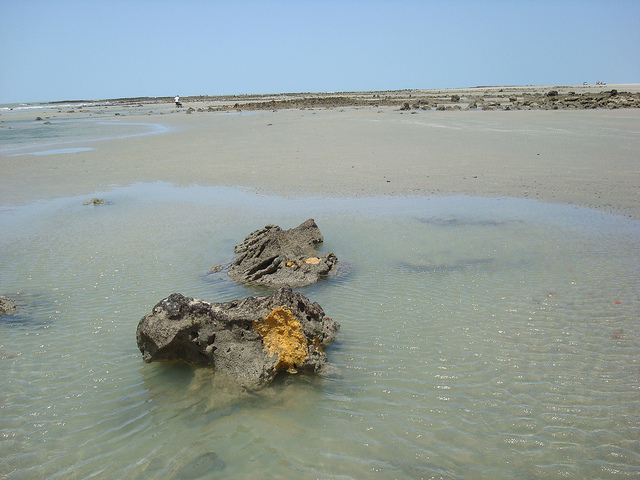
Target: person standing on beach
{"x": 177, "y": 99}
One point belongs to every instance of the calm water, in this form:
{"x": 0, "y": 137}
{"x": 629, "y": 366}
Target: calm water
{"x": 481, "y": 338}
{"x": 65, "y": 135}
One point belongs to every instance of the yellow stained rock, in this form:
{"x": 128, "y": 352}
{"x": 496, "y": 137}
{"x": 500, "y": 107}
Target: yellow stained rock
{"x": 312, "y": 260}
{"x": 283, "y": 335}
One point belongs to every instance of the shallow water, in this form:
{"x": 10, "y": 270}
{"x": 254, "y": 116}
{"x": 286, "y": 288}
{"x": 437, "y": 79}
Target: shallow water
{"x": 66, "y": 135}
{"x": 481, "y": 338}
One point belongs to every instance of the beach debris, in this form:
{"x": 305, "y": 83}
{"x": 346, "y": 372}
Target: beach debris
{"x": 272, "y": 256}
{"x": 251, "y": 340}
{"x": 7, "y": 306}
{"x": 94, "y": 201}
{"x": 617, "y": 335}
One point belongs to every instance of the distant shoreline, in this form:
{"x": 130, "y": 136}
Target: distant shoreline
{"x": 485, "y": 97}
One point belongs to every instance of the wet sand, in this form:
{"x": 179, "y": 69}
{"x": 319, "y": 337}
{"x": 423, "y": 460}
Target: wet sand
{"x": 581, "y": 157}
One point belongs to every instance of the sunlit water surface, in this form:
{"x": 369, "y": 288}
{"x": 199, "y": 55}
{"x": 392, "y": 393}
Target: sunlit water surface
{"x": 481, "y": 338}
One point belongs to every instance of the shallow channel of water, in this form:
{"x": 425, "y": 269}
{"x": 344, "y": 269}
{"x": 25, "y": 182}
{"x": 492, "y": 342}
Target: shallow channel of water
{"x": 480, "y": 338}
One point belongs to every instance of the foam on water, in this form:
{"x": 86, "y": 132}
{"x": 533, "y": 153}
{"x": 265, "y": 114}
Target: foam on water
{"x": 481, "y": 338}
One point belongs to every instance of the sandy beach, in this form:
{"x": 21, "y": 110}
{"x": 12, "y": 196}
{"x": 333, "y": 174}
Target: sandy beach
{"x": 366, "y": 146}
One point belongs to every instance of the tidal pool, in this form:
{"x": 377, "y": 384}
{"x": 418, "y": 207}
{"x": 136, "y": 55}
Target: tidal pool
{"x": 60, "y": 135}
{"x": 481, "y": 338}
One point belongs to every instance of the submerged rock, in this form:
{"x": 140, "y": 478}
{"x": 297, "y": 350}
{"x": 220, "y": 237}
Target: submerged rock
{"x": 455, "y": 266}
{"x": 272, "y": 256}
{"x": 202, "y": 466}
{"x": 7, "y": 306}
{"x": 251, "y": 339}
{"x": 216, "y": 268}
{"x": 94, "y": 201}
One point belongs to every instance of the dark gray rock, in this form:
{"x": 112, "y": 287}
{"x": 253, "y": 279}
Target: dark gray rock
{"x": 272, "y": 256}
{"x": 251, "y": 339}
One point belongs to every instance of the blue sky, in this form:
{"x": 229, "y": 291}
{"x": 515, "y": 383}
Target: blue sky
{"x": 66, "y": 50}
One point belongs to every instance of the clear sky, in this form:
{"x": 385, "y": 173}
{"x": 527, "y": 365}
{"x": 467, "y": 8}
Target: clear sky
{"x": 71, "y": 50}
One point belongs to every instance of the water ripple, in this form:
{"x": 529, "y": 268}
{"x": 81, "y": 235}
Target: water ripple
{"x": 475, "y": 343}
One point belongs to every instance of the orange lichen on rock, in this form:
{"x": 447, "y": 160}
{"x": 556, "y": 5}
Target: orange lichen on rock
{"x": 312, "y": 260}
{"x": 283, "y": 335}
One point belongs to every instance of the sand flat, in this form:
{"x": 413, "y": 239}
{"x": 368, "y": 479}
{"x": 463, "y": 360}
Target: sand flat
{"x": 582, "y": 157}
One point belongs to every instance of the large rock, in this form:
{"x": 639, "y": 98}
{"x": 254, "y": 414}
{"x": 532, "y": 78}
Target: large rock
{"x": 272, "y": 256}
{"x": 251, "y": 339}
